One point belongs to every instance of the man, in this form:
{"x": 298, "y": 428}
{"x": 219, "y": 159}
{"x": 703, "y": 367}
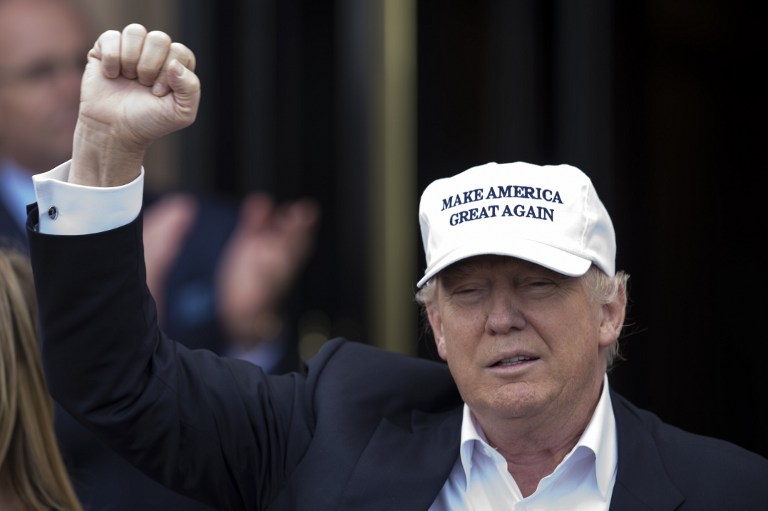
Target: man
{"x": 521, "y": 293}
{"x": 42, "y": 45}
{"x": 206, "y": 260}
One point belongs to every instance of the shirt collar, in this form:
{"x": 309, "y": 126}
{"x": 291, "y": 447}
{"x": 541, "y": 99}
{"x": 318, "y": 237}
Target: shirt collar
{"x": 599, "y": 437}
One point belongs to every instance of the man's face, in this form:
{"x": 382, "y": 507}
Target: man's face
{"x": 43, "y": 49}
{"x": 520, "y": 340}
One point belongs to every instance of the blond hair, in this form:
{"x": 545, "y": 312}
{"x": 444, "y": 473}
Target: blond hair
{"x": 31, "y": 464}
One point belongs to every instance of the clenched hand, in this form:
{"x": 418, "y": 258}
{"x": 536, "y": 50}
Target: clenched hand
{"x": 138, "y": 86}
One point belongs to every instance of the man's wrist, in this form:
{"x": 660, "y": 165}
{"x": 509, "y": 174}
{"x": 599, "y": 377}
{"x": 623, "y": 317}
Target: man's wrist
{"x": 100, "y": 159}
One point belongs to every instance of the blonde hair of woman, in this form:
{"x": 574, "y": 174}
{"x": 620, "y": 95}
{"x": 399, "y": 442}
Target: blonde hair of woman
{"x": 32, "y": 473}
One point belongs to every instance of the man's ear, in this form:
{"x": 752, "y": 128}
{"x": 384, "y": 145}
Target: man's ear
{"x": 614, "y": 313}
{"x": 433, "y": 313}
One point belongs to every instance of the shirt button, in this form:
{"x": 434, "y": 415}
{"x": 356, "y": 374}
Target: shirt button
{"x": 53, "y": 212}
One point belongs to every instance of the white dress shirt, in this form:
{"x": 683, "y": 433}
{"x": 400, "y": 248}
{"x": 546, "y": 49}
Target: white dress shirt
{"x": 583, "y": 481}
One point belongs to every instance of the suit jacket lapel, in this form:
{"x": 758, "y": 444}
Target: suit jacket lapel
{"x": 404, "y": 466}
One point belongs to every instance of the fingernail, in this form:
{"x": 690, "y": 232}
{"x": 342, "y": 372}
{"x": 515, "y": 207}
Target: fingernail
{"x": 159, "y": 89}
{"x": 178, "y": 68}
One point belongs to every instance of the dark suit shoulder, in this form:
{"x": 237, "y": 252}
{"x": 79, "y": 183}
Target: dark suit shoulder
{"x": 385, "y": 430}
{"x": 348, "y": 370}
{"x": 708, "y": 472}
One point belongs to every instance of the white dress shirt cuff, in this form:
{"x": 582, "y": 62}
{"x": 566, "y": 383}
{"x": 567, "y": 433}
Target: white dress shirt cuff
{"x": 72, "y": 209}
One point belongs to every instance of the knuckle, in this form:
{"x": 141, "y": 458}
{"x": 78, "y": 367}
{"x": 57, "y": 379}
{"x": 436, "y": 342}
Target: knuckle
{"x": 159, "y": 38}
{"x": 183, "y": 54}
{"x": 135, "y": 29}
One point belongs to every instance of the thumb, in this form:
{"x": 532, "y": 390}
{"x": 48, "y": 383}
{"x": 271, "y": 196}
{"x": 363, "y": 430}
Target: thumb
{"x": 185, "y": 86}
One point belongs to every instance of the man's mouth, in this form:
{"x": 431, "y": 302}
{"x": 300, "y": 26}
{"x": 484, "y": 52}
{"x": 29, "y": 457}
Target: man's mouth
{"x": 513, "y": 361}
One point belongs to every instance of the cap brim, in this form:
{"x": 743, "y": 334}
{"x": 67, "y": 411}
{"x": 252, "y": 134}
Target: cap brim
{"x": 544, "y": 255}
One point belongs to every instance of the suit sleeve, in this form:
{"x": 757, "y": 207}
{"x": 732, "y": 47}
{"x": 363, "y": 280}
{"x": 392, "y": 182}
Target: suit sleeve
{"x": 218, "y": 430}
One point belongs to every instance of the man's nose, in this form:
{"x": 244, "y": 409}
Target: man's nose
{"x": 504, "y": 314}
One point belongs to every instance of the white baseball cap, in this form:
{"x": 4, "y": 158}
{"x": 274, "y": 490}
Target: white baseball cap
{"x": 549, "y": 215}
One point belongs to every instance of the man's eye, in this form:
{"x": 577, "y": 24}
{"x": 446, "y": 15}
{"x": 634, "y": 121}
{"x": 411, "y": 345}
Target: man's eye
{"x": 41, "y": 72}
{"x": 45, "y": 71}
{"x": 467, "y": 292}
{"x": 538, "y": 285}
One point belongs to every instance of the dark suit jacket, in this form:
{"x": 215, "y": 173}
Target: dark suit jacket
{"x": 104, "y": 481}
{"x": 360, "y": 429}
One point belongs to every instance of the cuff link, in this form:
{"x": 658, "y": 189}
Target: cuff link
{"x": 53, "y": 213}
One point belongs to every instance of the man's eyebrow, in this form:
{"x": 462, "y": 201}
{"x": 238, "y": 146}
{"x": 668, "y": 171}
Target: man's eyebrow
{"x": 458, "y": 271}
